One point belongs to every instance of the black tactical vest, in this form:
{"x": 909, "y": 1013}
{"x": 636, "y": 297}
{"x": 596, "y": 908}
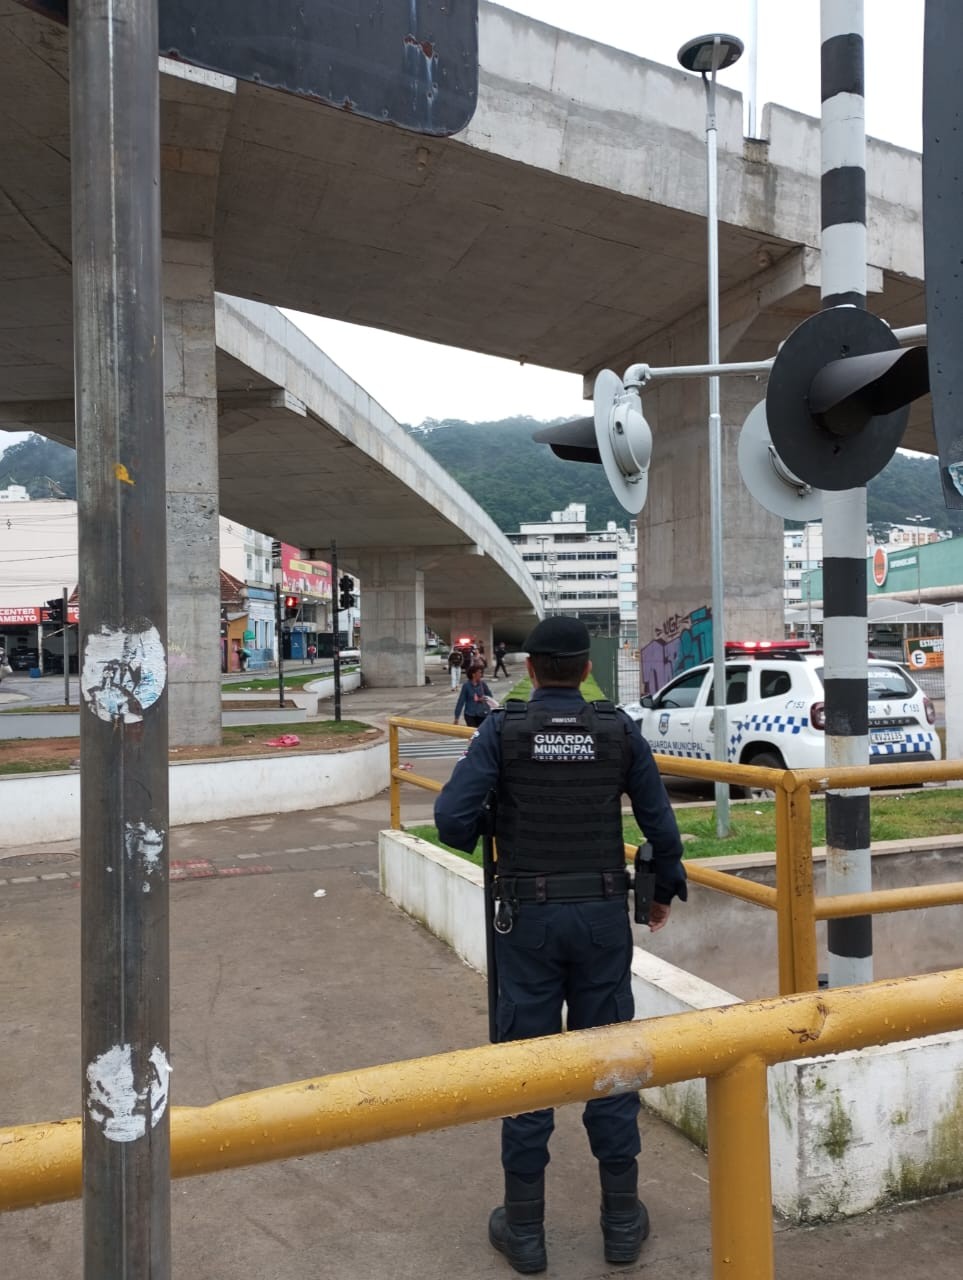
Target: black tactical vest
{"x": 560, "y": 788}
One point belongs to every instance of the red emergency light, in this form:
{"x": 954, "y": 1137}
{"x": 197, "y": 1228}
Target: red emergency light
{"x": 756, "y": 646}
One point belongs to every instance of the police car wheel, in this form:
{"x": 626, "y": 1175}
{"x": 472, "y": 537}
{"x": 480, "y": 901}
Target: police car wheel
{"x": 764, "y": 760}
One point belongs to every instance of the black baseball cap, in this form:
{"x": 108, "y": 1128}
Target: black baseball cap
{"x": 559, "y": 638}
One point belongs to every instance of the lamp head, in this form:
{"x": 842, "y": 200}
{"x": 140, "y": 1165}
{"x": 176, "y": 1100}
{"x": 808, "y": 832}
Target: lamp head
{"x": 704, "y": 55}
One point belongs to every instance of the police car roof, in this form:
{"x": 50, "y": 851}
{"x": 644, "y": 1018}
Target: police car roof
{"x": 793, "y": 649}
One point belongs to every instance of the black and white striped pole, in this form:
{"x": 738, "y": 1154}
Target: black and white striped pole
{"x": 836, "y": 407}
{"x": 845, "y": 636}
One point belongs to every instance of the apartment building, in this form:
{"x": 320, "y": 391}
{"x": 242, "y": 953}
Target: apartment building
{"x": 585, "y": 573}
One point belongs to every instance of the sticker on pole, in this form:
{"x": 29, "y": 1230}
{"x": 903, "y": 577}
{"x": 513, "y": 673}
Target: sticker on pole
{"x": 124, "y": 673}
{"x": 120, "y": 1106}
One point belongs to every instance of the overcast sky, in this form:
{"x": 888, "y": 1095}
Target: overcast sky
{"x": 417, "y": 380}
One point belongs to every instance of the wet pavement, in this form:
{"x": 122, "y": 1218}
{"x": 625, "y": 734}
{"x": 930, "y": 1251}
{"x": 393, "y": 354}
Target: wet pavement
{"x": 272, "y": 983}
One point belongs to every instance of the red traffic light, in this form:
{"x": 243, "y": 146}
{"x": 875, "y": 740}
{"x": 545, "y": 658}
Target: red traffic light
{"x": 291, "y": 602}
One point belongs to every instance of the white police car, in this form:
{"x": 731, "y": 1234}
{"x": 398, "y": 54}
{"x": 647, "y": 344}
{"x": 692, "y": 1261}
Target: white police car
{"x": 776, "y": 710}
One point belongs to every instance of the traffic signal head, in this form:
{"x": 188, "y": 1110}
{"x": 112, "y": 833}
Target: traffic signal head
{"x": 292, "y": 604}
{"x": 838, "y": 397}
{"x": 346, "y": 592}
{"x": 55, "y": 611}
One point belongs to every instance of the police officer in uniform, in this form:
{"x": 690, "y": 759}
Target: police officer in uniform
{"x": 558, "y": 767}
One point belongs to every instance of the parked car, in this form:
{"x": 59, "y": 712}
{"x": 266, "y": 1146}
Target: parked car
{"x": 775, "y": 704}
{"x": 23, "y": 659}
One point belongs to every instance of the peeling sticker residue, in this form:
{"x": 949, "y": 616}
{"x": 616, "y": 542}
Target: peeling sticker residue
{"x": 619, "y": 1082}
{"x": 146, "y": 844}
{"x": 123, "y": 674}
{"x": 115, "y": 1104}
{"x": 121, "y": 473}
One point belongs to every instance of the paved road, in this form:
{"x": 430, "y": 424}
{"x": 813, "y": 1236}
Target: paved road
{"x": 270, "y": 984}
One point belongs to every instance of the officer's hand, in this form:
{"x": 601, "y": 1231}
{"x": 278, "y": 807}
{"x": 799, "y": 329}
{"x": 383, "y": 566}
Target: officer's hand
{"x": 658, "y": 916}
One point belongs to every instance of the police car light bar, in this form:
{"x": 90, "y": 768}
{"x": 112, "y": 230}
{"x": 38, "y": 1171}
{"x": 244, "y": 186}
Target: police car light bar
{"x": 772, "y": 648}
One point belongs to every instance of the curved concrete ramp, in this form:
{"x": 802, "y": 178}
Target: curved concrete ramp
{"x": 307, "y": 455}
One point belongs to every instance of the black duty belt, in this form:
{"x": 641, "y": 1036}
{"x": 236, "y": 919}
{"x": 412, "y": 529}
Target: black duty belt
{"x": 562, "y": 886}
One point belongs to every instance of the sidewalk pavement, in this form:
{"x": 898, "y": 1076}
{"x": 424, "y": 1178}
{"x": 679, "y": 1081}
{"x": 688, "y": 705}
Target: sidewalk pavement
{"x": 271, "y": 983}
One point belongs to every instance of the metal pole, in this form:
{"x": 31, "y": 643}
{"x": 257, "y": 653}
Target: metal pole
{"x": 279, "y": 628}
{"x": 335, "y": 629}
{"x": 753, "y": 64}
{"x": 119, "y": 391}
{"x": 721, "y": 729}
{"x": 66, "y": 641}
{"x": 740, "y": 1185}
{"x": 843, "y": 246}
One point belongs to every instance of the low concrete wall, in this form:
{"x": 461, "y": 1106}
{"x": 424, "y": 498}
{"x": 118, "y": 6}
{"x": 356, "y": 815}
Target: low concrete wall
{"x": 733, "y": 943}
{"x": 307, "y": 697}
{"x": 37, "y": 808}
{"x": 848, "y": 1132}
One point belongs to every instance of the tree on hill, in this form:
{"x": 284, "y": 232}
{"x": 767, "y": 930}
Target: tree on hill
{"x": 45, "y": 468}
{"x": 514, "y": 479}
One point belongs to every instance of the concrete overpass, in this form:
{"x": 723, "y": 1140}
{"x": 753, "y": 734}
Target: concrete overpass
{"x": 303, "y": 449}
{"x": 564, "y": 227}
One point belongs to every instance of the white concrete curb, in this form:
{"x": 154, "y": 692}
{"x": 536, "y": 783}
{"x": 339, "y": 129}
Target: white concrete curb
{"x": 39, "y": 808}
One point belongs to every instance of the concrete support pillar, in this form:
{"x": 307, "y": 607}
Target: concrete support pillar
{"x": 476, "y": 623}
{"x": 675, "y": 569}
{"x": 193, "y": 545}
{"x": 392, "y": 618}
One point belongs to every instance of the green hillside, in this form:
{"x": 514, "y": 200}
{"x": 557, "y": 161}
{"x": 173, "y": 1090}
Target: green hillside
{"x": 516, "y": 480}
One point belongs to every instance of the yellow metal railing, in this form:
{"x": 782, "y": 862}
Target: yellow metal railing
{"x": 731, "y": 1047}
{"x": 794, "y": 899}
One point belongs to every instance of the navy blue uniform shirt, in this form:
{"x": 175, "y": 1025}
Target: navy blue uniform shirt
{"x": 458, "y": 809}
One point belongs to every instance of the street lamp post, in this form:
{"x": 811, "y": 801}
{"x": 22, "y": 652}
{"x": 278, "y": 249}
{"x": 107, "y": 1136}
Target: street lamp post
{"x": 708, "y": 55}
{"x": 917, "y": 521}
{"x": 541, "y": 540}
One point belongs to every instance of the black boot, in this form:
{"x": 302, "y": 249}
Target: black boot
{"x": 517, "y": 1229}
{"x": 625, "y": 1219}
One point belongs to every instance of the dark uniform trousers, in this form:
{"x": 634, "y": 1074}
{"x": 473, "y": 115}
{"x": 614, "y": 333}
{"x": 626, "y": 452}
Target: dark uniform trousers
{"x": 580, "y": 953}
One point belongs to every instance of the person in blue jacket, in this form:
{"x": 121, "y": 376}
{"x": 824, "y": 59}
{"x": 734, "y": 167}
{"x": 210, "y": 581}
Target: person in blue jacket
{"x": 558, "y": 767}
{"x": 472, "y": 700}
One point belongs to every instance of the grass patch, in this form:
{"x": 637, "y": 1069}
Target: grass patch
{"x": 31, "y": 710}
{"x": 303, "y": 729}
{"x": 52, "y": 755}
{"x": 269, "y": 684}
{"x": 40, "y": 765}
{"x": 752, "y": 829}
{"x": 430, "y": 834}
{"x": 589, "y": 690}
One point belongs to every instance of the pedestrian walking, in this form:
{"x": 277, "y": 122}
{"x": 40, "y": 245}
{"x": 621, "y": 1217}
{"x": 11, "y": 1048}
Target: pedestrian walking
{"x": 481, "y": 658}
{"x": 557, "y": 768}
{"x": 500, "y": 650}
{"x": 475, "y": 700}
{"x": 454, "y": 666}
{"x": 312, "y": 653}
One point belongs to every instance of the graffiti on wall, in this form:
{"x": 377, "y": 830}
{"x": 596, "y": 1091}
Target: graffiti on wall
{"x": 682, "y": 641}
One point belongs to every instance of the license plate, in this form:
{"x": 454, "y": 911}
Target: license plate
{"x": 886, "y": 735}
